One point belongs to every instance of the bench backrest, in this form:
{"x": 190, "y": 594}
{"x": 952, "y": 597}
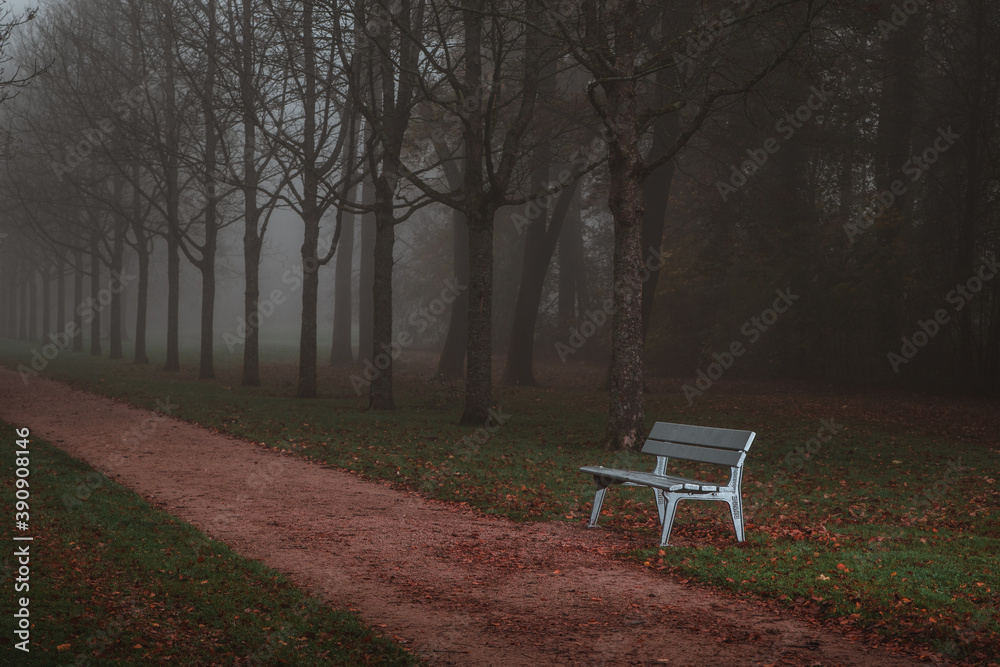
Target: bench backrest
{"x": 720, "y": 446}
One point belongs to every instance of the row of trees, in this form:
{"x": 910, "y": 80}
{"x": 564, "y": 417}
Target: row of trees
{"x": 164, "y": 124}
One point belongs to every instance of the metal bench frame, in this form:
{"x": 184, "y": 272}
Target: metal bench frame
{"x": 701, "y": 444}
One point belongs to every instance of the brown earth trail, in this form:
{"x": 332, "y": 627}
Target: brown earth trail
{"x": 453, "y": 585}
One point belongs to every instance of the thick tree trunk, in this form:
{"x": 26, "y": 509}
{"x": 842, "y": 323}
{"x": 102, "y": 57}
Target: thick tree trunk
{"x": 311, "y": 213}
{"x": 252, "y": 237}
{"x": 626, "y": 428}
{"x": 172, "y": 193}
{"x": 479, "y": 374}
{"x": 310, "y": 293}
{"x": 380, "y": 390}
{"x": 206, "y": 366}
{"x": 451, "y": 365}
{"x": 252, "y": 244}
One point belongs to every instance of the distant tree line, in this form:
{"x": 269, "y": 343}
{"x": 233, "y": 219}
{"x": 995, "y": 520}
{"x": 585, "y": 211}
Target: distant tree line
{"x": 639, "y": 178}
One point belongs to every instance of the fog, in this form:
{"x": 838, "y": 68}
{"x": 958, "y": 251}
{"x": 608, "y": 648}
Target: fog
{"x": 752, "y": 204}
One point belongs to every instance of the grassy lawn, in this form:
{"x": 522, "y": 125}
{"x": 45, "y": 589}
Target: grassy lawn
{"x": 115, "y": 581}
{"x": 885, "y": 526}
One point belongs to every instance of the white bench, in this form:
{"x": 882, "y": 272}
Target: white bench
{"x": 718, "y": 446}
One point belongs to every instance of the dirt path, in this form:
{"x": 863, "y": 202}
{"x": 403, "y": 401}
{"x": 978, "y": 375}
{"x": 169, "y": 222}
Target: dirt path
{"x": 453, "y": 585}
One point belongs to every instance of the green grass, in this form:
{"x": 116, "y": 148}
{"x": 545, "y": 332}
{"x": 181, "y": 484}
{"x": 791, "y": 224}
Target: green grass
{"x": 915, "y": 561}
{"x": 115, "y": 581}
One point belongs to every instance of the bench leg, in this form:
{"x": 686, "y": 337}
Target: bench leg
{"x": 668, "y": 517}
{"x": 660, "y": 502}
{"x": 736, "y": 509}
{"x": 596, "y": 512}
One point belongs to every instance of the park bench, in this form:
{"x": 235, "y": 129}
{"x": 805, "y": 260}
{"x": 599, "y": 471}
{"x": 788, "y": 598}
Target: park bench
{"x": 717, "y": 446}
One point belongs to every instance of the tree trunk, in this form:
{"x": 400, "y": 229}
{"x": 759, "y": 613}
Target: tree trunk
{"x": 252, "y": 244}
{"x": 78, "y": 301}
{"x": 252, "y": 237}
{"x": 342, "y": 345}
{"x": 117, "y": 259}
{"x": 451, "y": 365}
{"x": 24, "y": 298}
{"x": 172, "y": 193}
{"x": 656, "y": 198}
{"x": 46, "y": 303}
{"x": 8, "y": 307}
{"x": 366, "y": 278}
{"x": 311, "y": 213}
{"x": 380, "y": 390}
{"x": 626, "y": 427}
{"x": 95, "y": 296}
{"x": 141, "y": 305}
{"x": 206, "y": 366}
{"x": 33, "y": 304}
{"x": 173, "y": 362}
{"x": 60, "y": 294}
{"x": 479, "y": 373}
{"x": 572, "y": 269}
{"x": 310, "y": 293}
{"x": 539, "y": 244}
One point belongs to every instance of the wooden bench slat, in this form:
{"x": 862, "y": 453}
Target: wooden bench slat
{"x": 724, "y": 457}
{"x": 684, "y": 434}
{"x": 665, "y": 482}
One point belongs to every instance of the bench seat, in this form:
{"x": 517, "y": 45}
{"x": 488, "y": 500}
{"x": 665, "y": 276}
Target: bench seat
{"x": 722, "y": 447}
{"x": 652, "y": 480}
